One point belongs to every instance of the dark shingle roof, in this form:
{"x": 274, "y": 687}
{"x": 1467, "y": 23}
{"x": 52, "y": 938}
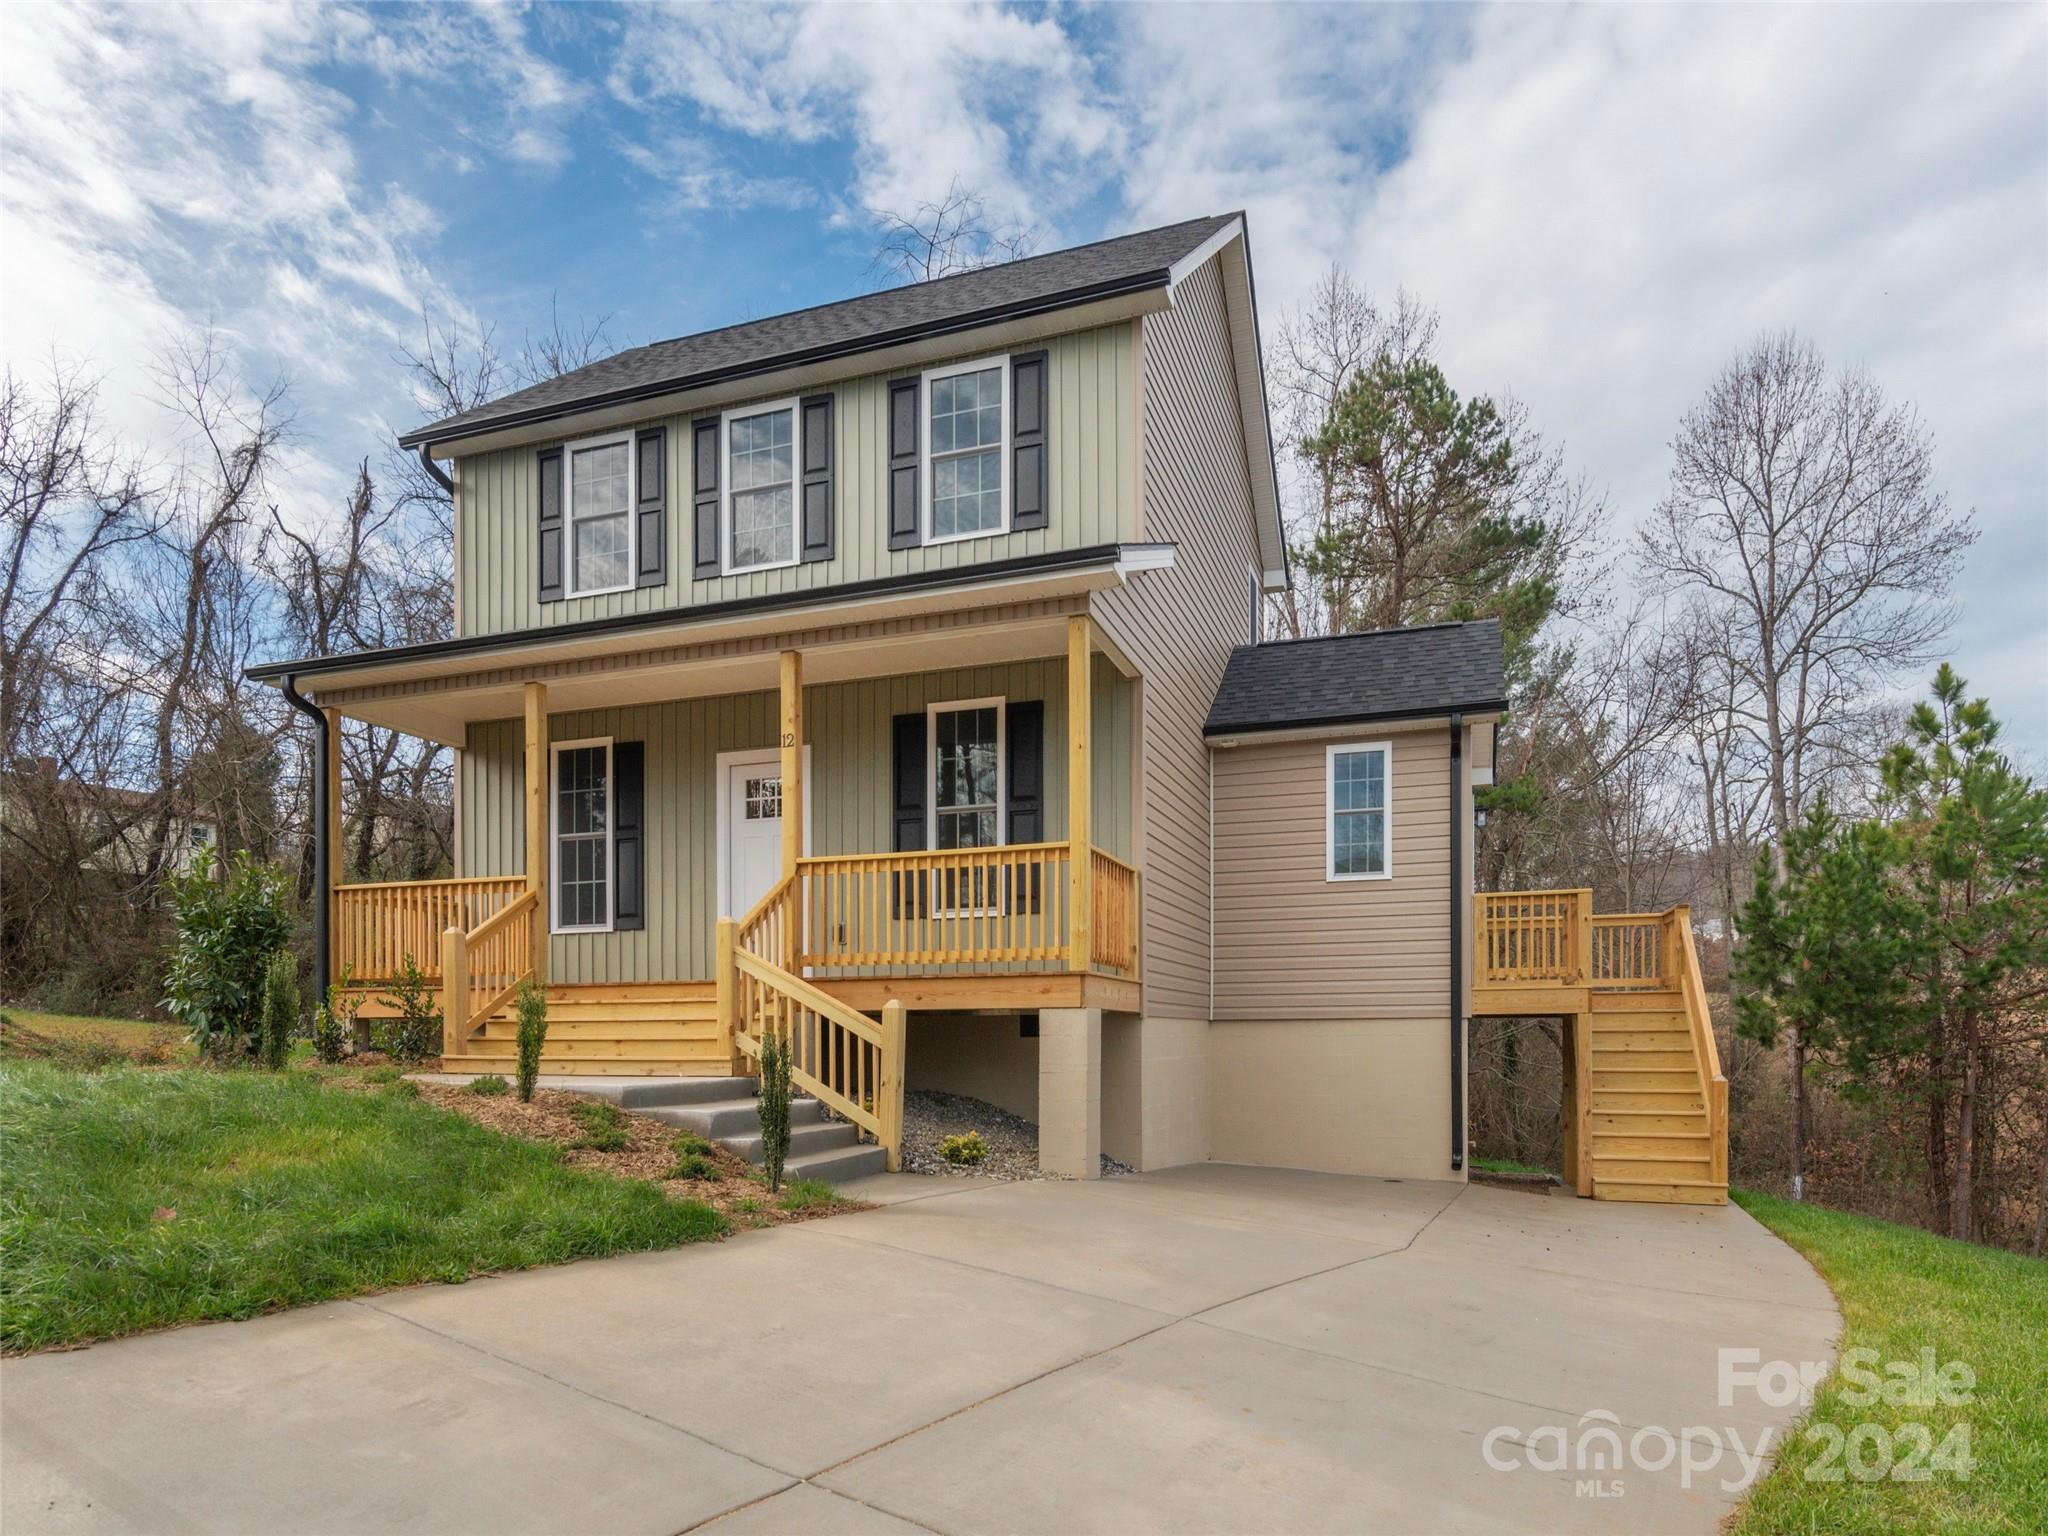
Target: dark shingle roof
{"x": 1127, "y": 264}
{"x": 1386, "y": 674}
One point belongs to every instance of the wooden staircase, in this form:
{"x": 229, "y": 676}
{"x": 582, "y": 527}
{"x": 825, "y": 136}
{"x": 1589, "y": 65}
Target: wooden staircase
{"x": 652, "y": 1029}
{"x": 1646, "y": 1105}
{"x": 1650, "y": 1131}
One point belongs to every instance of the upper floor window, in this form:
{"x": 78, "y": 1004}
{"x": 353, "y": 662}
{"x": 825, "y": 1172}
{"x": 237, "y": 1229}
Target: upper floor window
{"x": 760, "y": 497}
{"x": 1359, "y": 819}
{"x": 601, "y": 515}
{"x": 968, "y": 423}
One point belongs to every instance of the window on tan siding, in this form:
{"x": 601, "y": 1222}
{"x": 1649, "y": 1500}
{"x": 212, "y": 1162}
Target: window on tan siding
{"x": 1360, "y": 841}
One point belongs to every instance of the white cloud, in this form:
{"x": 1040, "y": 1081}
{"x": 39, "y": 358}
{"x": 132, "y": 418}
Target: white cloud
{"x": 1004, "y": 102}
{"x": 1606, "y": 202}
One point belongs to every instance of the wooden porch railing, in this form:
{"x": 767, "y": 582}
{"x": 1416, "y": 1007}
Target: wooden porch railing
{"x": 1531, "y": 936}
{"x": 1113, "y": 935}
{"x": 377, "y": 926}
{"x": 482, "y": 968}
{"x": 969, "y": 906}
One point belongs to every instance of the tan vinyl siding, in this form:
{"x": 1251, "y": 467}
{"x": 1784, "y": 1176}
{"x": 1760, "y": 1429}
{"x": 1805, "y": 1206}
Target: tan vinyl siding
{"x": 1091, "y": 447}
{"x": 1292, "y": 944}
{"x": 1178, "y": 626}
{"x": 849, "y": 729}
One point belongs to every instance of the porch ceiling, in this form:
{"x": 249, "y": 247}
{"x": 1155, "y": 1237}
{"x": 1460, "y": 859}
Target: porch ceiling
{"x": 440, "y": 708}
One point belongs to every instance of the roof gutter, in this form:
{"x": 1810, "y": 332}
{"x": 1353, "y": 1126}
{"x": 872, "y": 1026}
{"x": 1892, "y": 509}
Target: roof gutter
{"x": 1141, "y": 282}
{"x": 323, "y": 876}
{"x": 440, "y": 476}
{"x": 1457, "y": 942}
{"x": 1226, "y": 735}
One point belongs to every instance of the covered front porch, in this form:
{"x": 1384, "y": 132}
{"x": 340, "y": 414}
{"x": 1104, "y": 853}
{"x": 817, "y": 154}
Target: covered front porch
{"x": 687, "y": 875}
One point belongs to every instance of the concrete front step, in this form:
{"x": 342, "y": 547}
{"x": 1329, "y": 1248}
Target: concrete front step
{"x": 838, "y": 1166}
{"x": 722, "y": 1120}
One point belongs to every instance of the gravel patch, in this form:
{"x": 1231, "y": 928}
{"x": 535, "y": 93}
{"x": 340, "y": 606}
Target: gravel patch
{"x": 929, "y": 1117}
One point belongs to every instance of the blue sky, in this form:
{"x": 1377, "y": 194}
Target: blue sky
{"x": 1602, "y": 203}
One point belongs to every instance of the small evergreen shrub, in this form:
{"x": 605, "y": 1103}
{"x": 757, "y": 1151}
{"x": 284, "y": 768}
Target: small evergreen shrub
{"x": 228, "y": 928}
{"x": 415, "y": 1034}
{"x": 334, "y": 1022}
{"x": 532, "y": 1004}
{"x": 280, "y": 1008}
{"x": 774, "y": 1108}
{"x": 604, "y": 1128}
{"x": 963, "y": 1151}
{"x": 327, "y": 1036}
{"x": 489, "y": 1086}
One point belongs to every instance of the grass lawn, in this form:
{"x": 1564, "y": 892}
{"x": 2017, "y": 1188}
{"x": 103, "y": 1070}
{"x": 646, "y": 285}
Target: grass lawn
{"x": 1507, "y": 1165}
{"x": 1902, "y": 1290}
{"x": 88, "y": 1031}
{"x": 132, "y": 1198}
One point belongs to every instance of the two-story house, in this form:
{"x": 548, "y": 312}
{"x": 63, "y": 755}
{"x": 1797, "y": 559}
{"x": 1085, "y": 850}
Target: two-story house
{"x": 887, "y": 676}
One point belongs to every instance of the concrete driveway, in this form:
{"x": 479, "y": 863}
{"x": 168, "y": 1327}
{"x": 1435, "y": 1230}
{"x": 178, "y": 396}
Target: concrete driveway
{"x": 1208, "y": 1349}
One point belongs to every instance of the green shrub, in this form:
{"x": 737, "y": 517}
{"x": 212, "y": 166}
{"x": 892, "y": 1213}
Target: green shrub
{"x": 489, "y": 1086}
{"x": 687, "y": 1142}
{"x": 604, "y": 1128}
{"x": 746, "y": 1205}
{"x": 807, "y": 1194}
{"x": 774, "y": 1108}
{"x": 964, "y": 1151}
{"x": 533, "y": 1034}
{"x": 415, "y": 1033}
{"x": 696, "y": 1165}
{"x": 280, "y": 1008}
{"x": 228, "y": 929}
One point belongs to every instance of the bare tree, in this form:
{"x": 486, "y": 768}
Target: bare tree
{"x": 1804, "y": 528}
{"x": 564, "y": 346}
{"x": 954, "y": 234}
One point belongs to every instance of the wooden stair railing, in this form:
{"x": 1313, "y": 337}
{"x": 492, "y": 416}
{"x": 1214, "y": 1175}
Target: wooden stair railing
{"x": 1692, "y": 990}
{"x": 481, "y": 968}
{"x": 845, "y": 1060}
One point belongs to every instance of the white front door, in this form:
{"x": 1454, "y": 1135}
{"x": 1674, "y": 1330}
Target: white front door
{"x": 749, "y": 827}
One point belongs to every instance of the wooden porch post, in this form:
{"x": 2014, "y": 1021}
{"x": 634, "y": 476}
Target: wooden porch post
{"x": 537, "y": 823}
{"x": 889, "y": 1091}
{"x": 792, "y": 738}
{"x": 1582, "y": 939}
{"x": 337, "y": 864}
{"x": 454, "y": 992}
{"x": 1080, "y": 791}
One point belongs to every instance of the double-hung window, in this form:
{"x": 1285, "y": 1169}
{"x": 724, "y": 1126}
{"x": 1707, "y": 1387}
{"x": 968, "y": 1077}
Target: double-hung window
{"x": 1360, "y": 840}
{"x": 965, "y": 750}
{"x": 582, "y": 821}
{"x": 760, "y": 479}
{"x": 600, "y": 515}
{"x": 967, "y": 411}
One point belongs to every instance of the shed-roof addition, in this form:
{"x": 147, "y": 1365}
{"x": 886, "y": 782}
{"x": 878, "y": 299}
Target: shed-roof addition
{"x": 1385, "y": 674}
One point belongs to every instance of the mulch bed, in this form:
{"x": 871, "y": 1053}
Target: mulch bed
{"x": 649, "y": 1153}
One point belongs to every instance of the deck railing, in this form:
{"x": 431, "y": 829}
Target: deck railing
{"x": 1113, "y": 934}
{"x": 377, "y": 926}
{"x": 1553, "y": 938}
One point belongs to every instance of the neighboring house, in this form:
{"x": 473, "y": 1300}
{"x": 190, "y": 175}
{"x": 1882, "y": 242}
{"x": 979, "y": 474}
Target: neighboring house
{"x": 887, "y": 676}
{"x": 112, "y": 829}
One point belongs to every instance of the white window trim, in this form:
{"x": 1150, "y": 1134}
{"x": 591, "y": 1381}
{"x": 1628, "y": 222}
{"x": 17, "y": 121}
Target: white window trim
{"x": 569, "y": 452}
{"x": 926, "y": 478}
{"x": 1346, "y": 748}
{"x": 611, "y": 862}
{"x": 725, "y": 485}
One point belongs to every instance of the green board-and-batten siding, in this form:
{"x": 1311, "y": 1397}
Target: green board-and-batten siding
{"x": 1091, "y": 446}
{"x": 848, "y": 726}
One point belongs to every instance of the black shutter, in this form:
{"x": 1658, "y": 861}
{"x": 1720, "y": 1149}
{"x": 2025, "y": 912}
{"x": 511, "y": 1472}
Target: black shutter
{"x": 550, "y": 563}
{"x": 904, "y": 517}
{"x": 910, "y": 777}
{"x": 651, "y": 506}
{"x": 1029, "y": 505}
{"x": 816, "y": 528}
{"x": 704, "y": 497}
{"x": 1025, "y": 772}
{"x": 629, "y": 835}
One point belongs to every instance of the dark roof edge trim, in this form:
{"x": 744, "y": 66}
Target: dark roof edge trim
{"x": 1378, "y": 717}
{"x": 425, "y": 437}
{"x": 628, "y": 623}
